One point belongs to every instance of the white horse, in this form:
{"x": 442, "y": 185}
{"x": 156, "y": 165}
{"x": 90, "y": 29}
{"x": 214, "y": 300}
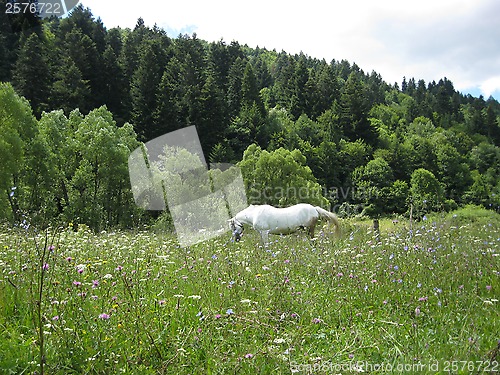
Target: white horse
{"x": 268, "y": 219}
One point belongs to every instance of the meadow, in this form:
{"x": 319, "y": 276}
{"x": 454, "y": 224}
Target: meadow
{"x": 419, "y": 301}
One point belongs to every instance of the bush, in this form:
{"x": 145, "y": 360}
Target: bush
{"x": 473, "y": 214}
{"x": 426, "y": 192}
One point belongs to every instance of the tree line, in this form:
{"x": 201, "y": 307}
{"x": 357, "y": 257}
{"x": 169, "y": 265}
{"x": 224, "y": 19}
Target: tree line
{"x": 335, "y": 127}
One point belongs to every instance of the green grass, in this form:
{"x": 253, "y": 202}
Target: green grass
{"x": 300, "y": 306}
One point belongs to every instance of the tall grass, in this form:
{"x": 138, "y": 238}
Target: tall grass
{"x": 136, "y": 303}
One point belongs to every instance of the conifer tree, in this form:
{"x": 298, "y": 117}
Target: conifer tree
{"x": 167, "y": 112}
{"x": 211, "y": 125}
{"x": 249, "y": 90}
{"x": 70, "y": 90}
{"x": 143, "y": 92}
{"x": 234, "y": 92}
{"x": 353, "y": 112}
{"x": 31, "y": 75}
{"x": 298, "y": 101}
{"x": 114, "y": 85}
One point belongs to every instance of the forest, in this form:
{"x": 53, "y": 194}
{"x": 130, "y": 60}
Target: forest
{"x": 76, "y": 98}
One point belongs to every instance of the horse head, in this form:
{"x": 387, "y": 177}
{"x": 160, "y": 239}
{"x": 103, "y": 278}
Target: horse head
{"x": 236, "y": 228}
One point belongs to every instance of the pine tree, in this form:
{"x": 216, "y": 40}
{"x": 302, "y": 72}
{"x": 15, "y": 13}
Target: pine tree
{"x": 114, "y": 39}
{"x": 234, "y": 92}
{"x": 193, "y": 68}
{"x": 327, "y": 87}
{"x": 167, "y": 112}
{"x": 131, "y": 47}
{"x": 83, "y": 51}
{"x": 219, "y": 63}
{"x": 353, "y": 112}
{"x": 70, "y": 90}
{"x": 143, "y": 92}
{"x": 492, "y": 124}
{"x": 283, "y": 88}
{"x": 249, "y": 90}
{"x": 31, "y": 76}
{"x": 212, "y": 124}
{"x": 262, "y": 74}
{"x": 114, "y": 83}
{"x": 298, "y": 102}
{"x": 8, "y": 53}
{"x": 85, "y": 41}
{"x": 404, "y": 85}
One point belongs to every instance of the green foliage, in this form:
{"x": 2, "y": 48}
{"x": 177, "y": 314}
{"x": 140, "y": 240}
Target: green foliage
{"x": 375, "y": 182}
{"x": 31, "y": 67}
{"x": 279, "y": 178}
{"x": 76, "y": 169}
{"x": 99, "y": 188}
{"x": 353, "y": 111}
{"x": 376, "y": 173}
{"x": 397, "y": 197}
{"x": 70, "y": 90}
{"x": 339, "y": 117}
{"x": 426, "y": 192}
{"x": 18, "y": 133}
{"x": 485, "y": 156}
{"x": 351, "y": 156}
{"x": 471, "y": 214}
{"x": 480, "y": 192}
{"x": 143, "y": 91}
{"x": 452, "y": 169}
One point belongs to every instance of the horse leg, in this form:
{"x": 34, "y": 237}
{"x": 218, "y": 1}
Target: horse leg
{"x": 264, "y": 236}
{"x": 311, "y": 228}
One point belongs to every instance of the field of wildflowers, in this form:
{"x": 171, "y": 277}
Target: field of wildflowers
{"x": 76, "y": 302}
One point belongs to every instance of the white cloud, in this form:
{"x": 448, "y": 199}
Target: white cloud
{"x": 491, "y": 86}
{"x": 427, "y": 39}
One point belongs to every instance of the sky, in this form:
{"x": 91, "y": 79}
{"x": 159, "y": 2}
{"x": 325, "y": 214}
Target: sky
{"x": 424, "y": 39}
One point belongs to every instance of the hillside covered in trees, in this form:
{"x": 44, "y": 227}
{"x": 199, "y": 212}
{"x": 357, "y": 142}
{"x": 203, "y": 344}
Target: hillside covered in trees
{"x": 93, "y": 93}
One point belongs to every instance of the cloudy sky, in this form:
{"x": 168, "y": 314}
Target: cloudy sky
{"x": 425, "y": 39}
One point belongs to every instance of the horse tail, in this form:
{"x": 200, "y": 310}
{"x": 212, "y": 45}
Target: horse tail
{"x": 330, "y": 216}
